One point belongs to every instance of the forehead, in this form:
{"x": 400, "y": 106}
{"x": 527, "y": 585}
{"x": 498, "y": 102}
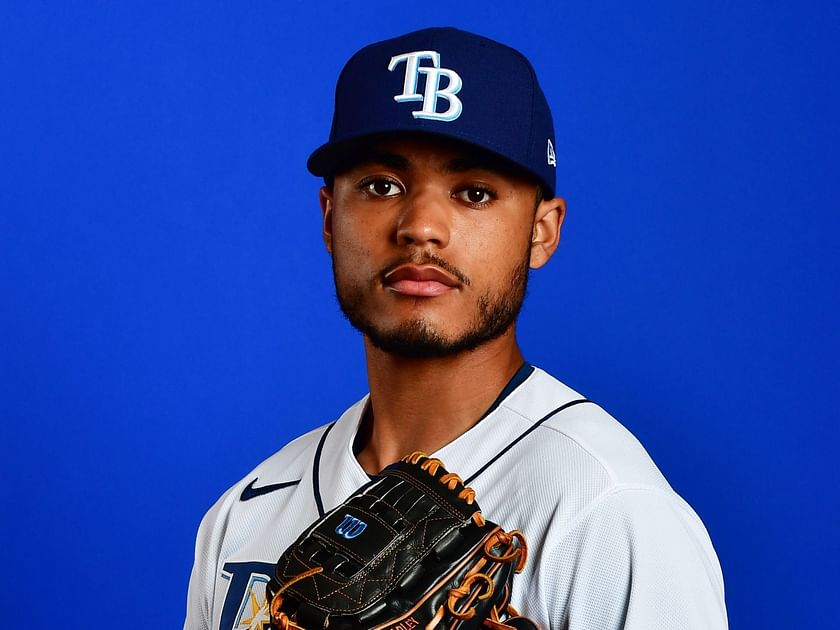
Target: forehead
{"x": 414, "y": 151}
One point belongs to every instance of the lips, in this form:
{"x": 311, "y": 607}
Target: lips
{"x": 420, "y": 281}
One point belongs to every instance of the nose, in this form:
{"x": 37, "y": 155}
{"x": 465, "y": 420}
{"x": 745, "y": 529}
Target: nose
{"x": 425, "y": 219}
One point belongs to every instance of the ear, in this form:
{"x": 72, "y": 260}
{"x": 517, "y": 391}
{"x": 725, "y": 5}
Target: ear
{"x": 545, "y": 236}
{"x": 325, "y": 196}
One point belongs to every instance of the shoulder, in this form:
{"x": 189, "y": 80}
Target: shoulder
{"x": 580, "y": 468}
{"x": 286, "y": 467}
{"x": 290, "y": 461}
{"x": 559, "y": 453}
{"x": 612, "y": 529}
{"x": 291, "y": 466}
{"x": 579, "y": 436}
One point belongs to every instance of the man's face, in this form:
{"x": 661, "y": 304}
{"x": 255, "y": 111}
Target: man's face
{"x": 431, "y": 243}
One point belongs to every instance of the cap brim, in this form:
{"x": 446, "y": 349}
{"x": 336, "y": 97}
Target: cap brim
{"x": 332, "y": 158}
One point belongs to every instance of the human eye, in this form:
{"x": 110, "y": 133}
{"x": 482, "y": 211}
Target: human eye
{"x": 476, "y": 195}
{"x": 380, "y": 187}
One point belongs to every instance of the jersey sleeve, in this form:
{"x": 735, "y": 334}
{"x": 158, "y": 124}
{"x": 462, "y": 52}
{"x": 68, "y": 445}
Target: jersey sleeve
{"x": 638, "y": 559}
{"x": 203, "y": 575}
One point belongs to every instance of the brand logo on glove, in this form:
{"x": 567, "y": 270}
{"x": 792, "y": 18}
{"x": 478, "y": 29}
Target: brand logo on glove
{"x": 350, "y": 527}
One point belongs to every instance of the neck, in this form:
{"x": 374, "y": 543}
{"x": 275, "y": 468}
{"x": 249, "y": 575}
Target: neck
{"x": 423, "y": 404}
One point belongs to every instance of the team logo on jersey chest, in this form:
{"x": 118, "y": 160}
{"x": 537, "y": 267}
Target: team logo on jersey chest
{"x": 432, "y": 91}
{"x": 246, "y": 607}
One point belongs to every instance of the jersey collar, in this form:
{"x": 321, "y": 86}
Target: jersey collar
{"x": 529, "y": 396}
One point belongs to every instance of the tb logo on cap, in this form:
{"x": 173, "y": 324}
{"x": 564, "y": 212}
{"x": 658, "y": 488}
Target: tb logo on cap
{"x": 432, "y": 90}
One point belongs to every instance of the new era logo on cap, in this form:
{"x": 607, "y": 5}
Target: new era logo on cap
{"x": 446, "y": 82}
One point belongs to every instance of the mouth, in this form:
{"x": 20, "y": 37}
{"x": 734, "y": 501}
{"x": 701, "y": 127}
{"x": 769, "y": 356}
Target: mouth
{"x": 420, "y": 281}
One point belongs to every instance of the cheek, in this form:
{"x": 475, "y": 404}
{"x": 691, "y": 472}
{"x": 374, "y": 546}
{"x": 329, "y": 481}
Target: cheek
{"x": 498, "y": 247}
{"x": 354, "y": 244}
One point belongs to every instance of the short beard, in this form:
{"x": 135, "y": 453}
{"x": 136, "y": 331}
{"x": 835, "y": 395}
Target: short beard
{"x": 417, "y": 339}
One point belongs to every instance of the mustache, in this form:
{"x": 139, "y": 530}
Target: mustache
{"x": 423, "y": 257}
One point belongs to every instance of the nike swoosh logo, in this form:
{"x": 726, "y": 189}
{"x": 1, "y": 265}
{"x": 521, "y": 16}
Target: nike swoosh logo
{"x": 250, "y": 491}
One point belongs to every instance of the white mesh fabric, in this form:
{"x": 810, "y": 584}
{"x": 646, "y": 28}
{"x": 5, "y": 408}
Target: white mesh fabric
{"x": 611, "y": 545}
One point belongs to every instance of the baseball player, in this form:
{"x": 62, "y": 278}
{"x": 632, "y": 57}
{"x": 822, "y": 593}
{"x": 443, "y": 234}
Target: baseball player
{"x": 439, "y": 197}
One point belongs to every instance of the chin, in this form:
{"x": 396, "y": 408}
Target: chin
{"x": 419, "y": 339}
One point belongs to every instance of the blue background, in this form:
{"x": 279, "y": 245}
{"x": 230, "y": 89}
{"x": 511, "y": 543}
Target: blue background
{"x": 168, "y": 318}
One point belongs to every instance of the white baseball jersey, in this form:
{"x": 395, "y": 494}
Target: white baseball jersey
{"x": 611, "y": 545}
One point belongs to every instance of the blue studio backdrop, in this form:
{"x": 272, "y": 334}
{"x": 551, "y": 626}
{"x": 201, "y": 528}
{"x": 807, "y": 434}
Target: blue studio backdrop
{"x": 167, "y": 317}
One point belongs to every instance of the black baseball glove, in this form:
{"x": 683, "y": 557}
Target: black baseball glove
{"x": 408, "y": 550}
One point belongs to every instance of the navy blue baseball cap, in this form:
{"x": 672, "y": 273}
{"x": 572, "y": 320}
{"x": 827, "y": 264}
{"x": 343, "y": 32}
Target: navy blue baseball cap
{"x": 446, "y": 82}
